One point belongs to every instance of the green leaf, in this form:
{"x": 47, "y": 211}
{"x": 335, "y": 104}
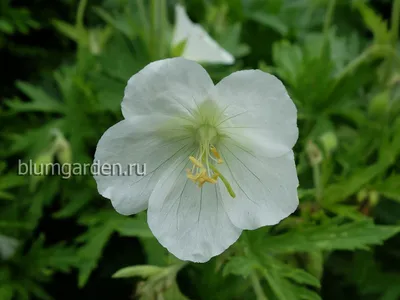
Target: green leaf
{"x": 119, "y": 23}
{"x": 390, "y": 188}
{"x": 270, "y": 21}
{"x": 91, "y": 252}
{"x": 133, "y": 227}
{"x": 331, "y": 236}
{"x": 144, "y": 271}
{"x": 6, "y": 27}
{"x": 240, "y": 265}
{"x": 304, "y": 293}
{"x": 177, "y": 50}
{"x": 41, "y": 101}
{"x": 173, "y": 293}
{"x": 6, "y": 292}
{"x": 71, "y": 31}
{"x": 375, "y": 23}
{"x": 297, "y": 275}
{"x": 342, "y": 190}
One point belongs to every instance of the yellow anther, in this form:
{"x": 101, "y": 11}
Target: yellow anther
{"x": 196, "y": 162}
{"x": 195, "y": 177}
{"x": 215, "y": 176}
{"x": 199, "y": 174}
{"x": 204, "y": 178}
{"x": 216, "y": 154}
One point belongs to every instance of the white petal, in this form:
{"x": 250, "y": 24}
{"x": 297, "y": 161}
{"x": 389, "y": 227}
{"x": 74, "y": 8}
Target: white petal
{"x": 129, "y": 142}
{"x": 202, "y": 48}
{"x": 170, "y": 86}
{"x": 190, "y": 222}
{"x": 266, "y": 190}
{"x": 183, "y": 25}
{"x": 258, "y": 112}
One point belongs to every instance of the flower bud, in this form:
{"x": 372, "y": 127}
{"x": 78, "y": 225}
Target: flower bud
{"x": 43, "y": 163}
{"x": 329, "y": 141}
{"x": 379, "y": 105}
{"x": 314, "y": 153}
{"x": 64, "y": 153}
{"x": 362, "y": 195}
{"x": 62, "y": 148}
{"x": 373, "y": 198}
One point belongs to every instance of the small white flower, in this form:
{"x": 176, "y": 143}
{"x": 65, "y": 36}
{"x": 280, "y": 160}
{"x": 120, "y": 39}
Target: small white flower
{"x": 219, "y": 158}
{"x": 199, "y": 46}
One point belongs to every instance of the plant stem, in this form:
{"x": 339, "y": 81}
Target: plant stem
{"x": 380, "y": 50}
{"x": 80, "y": 14}
{"x": 395, "y": 21}
{"x": 329, "y": 16}
{"x": 257, "y": 287}
{"x": 317, "y": 182}
{"x": 327, "y": 24}
{"x": 163, "y": 28}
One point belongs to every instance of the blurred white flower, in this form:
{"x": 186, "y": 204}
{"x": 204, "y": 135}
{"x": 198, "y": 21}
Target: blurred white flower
{"x": 8, "y": 246}
{"x": 198, "y": 45}
{"x": 219, "y": 158}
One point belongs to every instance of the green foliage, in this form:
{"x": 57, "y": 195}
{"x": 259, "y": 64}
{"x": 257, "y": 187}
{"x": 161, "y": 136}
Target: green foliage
{"x": 346, "y": 88}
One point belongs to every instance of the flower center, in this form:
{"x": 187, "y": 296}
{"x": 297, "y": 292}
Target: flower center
{"x": 204, "y": 169}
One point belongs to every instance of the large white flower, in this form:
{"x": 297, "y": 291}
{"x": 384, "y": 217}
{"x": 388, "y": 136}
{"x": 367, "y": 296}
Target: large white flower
{"x": 218, "y": 158}
{"x": 198, "y": 45}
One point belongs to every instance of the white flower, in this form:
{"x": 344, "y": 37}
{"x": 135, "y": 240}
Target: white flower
{"x": 199, "y": 46}
{"x": 219, "y": 158}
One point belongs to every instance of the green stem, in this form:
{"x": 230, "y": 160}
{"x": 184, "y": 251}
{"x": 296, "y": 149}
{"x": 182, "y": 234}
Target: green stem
{"x": 163, "y": 28}
{"x": 255, "y": 282}
{"x": 153, "y": 28}
{"x": 395, "y": 21}
{"x": 329, "y": 16}
{"x": 327, "y": 23}
{"x": 378, "y": 50}
{"x": 146, "y": 34}
{"x": 80, "y": 13}
{"x": 317, "y": 182}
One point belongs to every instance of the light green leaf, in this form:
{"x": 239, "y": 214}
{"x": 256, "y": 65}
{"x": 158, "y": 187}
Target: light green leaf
{"x": 133, "y": 227}
{"x": 331, "y": 236}
{"x": 374, "y": 22}
{"x": 144, "y": 271}
{"x": 240, "y": 265}
{"x": 70, "y": 31}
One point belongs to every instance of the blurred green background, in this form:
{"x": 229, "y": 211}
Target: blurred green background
{"x": 64, "y": 68}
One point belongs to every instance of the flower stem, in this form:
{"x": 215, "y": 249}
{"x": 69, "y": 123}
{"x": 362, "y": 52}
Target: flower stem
{"x": 255, "y": 282}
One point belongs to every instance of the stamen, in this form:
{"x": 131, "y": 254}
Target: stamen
{"x": 196, "y": 162}
{"x": 200, "y": 174}
{"x": 216, "y": 154}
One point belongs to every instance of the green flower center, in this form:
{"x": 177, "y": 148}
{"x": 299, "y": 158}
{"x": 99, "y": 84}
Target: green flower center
{"x": 204, "y": 168}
